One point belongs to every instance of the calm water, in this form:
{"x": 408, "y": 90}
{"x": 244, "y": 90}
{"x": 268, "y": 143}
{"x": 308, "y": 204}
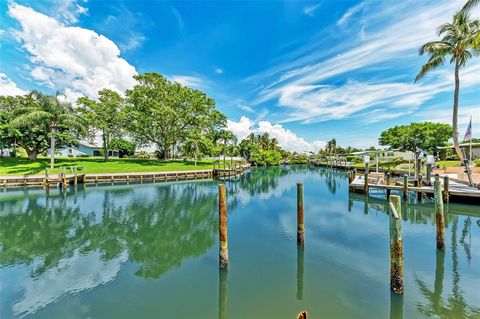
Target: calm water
{"x": 150, "y": 251}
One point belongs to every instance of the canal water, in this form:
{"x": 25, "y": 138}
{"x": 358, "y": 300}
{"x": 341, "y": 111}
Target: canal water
{"x": 151, "y": 251}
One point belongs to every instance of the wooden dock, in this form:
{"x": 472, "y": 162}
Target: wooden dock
{"x": 455, "y": 189}
{"x": 64, "y": 180}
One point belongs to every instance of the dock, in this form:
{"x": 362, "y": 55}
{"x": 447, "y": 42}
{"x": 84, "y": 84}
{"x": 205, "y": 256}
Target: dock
{"x": 64, "y": 180}
{"x": 455, "y": 190}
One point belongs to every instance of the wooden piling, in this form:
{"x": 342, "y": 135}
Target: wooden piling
{"x": 302, "y": 315}
{"x": 300, "y": 221}
{"x": 429, "y": 174}
{"x": 365, "y": 184}
{"x": 388, "y": 182}
{"x": 446, "y": 193}
{"x": 439, "y": 218}
{"x": 396, "y": 248}
{"x": 222, "y": 226}
{"x": 405, "y": 186}
{"x": 419, "y": 184}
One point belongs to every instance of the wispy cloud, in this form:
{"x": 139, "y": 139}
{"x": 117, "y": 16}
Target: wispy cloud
{"x": 188, "y": 80}
{"x": 304, "y": 96}
{"x": 218, "y": 70}
{"x": 350, "y": 12}
{"x": 311, "y": 9}
{"x": 8, "y": 87}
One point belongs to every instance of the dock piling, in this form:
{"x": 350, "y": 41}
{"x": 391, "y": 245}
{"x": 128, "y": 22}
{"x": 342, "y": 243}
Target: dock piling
{"x": 365, "y": 185}
{"x": 439, "y": 218}
{"x": 429, "y": 174}
{"x": 419, "y": 185}
{"x": 300, "y": 221}
{"x": 405, "y": 186}
{"x": 222, "y": 226}
{"x": 396, "y": 246}
{"x": 446, "y": 193}
{"x": 388, "y": 181}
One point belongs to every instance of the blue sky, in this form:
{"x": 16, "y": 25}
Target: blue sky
{"x": 305, "y": 72}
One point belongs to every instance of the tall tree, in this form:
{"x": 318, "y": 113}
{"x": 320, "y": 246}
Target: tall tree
{"x": 53, "y": 111}
{"x": 163, "y": 113}
{"x": 456, "y": 43}
{"x": 426, "y": 135}
{"x": 103, "y": 115}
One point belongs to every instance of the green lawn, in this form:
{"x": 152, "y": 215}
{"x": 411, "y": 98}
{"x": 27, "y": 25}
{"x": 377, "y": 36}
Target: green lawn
{"x": 22, "y": 166}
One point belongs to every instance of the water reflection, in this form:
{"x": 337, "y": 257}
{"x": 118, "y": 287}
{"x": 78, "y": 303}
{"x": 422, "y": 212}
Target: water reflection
{"x": 222, "y": 293}
{"x": 79, "y": 243}
{"x": 300, "y": 270}
{"x": 455, "y": 305}
{"x": 67, "y": 243}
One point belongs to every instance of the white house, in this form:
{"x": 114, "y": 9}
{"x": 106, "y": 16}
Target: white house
{"x": 83, "y": 149}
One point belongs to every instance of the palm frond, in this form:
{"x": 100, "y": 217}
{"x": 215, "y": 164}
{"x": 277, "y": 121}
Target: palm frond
{"x": 32, "y": 118}
{"x": 433, "y": 63}
{"x": 469, "y": 5}
{"x": 436, "y": 46}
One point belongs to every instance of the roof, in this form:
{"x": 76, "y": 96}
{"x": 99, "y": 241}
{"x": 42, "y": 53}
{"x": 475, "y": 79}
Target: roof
{"x": 474, "y": 145}
{"x": 90, "y": 145}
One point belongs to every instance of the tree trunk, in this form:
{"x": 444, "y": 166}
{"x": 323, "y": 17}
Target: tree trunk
{"x": 32, "y": 155}
{"x": 455, "y": 113}
{"x": 105, "y": 147}
{"x": 195, "y": 155}
{"x": 52, "y": 147}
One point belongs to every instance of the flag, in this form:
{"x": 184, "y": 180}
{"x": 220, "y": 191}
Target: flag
{"x": 468, "y": 133}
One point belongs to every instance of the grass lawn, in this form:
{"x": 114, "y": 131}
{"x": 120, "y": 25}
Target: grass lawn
{"x": 22, "y": 166}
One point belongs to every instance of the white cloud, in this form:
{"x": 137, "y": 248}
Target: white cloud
{"x": 188, "y": 80}
{"x": 301, "y": 91}
{"x": 286, "y": 138}
{"x": 8, "y": 87}
{"x": 219, "y": 70}
{"x": 310, "y": 10}
{"x": 242, "y": 128}
{"x": 350, "y": 12}
{"x": 68, "y": 11}
{"x": 73, "y": 59}
{"x": 443, "y": 114}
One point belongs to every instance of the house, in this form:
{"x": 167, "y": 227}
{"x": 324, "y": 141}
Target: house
{"x": 83, "y": 149}
{"x": 471, "y": 149}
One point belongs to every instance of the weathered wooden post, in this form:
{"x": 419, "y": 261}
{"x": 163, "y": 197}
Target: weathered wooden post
{"x": 439, "y": 218}
{"x": 405, "y": 186}
{"x": 388, "y": 182}
{"x": 446, "y": 194}
{"x": 300, "y": 222}
{"x": 222, "y": 226}
{"x": 396, "y": 249}
{"x": 302, "y": 315}
{"x": 429, "y": 174}
{"x": 420, "y": 185}
{"x": 365, "y": 184}
{"x": 222, "y": 294}
{"x": 300, "y": 271}
{"x": 75, "y": 178}
{"x": 45, "y": 183}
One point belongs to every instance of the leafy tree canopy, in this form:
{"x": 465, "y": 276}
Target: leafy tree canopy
{"x": 426, "y": 135}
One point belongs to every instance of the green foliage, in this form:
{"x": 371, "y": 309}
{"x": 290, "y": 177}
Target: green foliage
{"x": 104, "y": 115}
{"x": 124, "y": 147}
{"x": 166, "y": 114}
{"x": 426, "y": 135}
{"x": 266, "y": 157}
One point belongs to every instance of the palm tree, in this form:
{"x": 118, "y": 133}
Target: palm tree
{"x": 469, "y": 5}
{"x": 456, "y": 43}
{"x": 331, "y": 146}
{"x": 466, "y": 8}
{"x": 226, "y": 137}
{"x": 51, "y": 110}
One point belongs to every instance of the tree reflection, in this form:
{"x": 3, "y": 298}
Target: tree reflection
{"x": 159, "y": 233}
{"x": 455, "y": 306}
